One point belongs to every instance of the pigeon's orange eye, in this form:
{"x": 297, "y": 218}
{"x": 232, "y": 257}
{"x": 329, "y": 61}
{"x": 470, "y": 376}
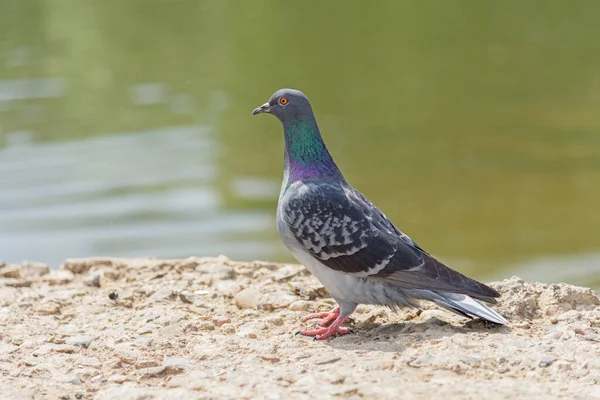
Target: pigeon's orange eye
{"x": 283, "y": 101}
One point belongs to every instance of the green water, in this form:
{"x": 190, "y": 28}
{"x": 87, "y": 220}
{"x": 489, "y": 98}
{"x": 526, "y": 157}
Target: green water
{"x": 125, "y": 126}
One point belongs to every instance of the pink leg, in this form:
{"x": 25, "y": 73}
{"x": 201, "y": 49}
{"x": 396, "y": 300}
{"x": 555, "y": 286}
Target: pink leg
{"x": 328, "y": 317}
{"x": 332, "y": 330}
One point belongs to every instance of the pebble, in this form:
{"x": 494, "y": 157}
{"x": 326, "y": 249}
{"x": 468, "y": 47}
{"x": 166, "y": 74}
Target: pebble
{"x": 439, "y": 315}
{"x": 270, "y": 357}
{"x": 148, "y": 328}
{"x": 75, "y": 380}
{"x": 299, "y": 305}
{"x": 65, "y": 348}
{"x": 191, "y": 297}
{"x": 48, "y": 309}
{"x": 228, "y": 329}
{"x": 57, "y": 348}
{"x": 146, "y": 363}
{"x": 147, "y": 372}
{"x": 206, "y": 326}
{"x": 16, "y": 283}
{"x": 471, "y": 359}
{"x": 277, "y": 321}
{"x": 248, "y": 298}
{"x": 422, "y": 361}
{"x": 58, "y": 277}
{"x": 6, "y": 348}
{"x": 31, "y": 269}
{"x": 81, "y": 341}
{"x": 519, "y": 344}
{"x": 145, "y": 341}
{"x": 417, "y": 328}
{"x": 93, "y": 280}
{"x": 118, "y": 378}
{"x": 328, "y": 360}
{"x": 546, "y": 361}
{"x": 10, "y": 273}
{"x": 88, "y": 361}
{"x": 177, "y": 362}
{"x": 592, "y": 337}
{"x": 227, "y": 273}
{"x": 219, "y": 320}
{"x": 555, "y": 335}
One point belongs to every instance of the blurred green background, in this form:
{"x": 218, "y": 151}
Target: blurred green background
{"x": 125, "y": 126}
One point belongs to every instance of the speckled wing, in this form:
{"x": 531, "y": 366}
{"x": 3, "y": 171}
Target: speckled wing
{"x": 342, "y": 229}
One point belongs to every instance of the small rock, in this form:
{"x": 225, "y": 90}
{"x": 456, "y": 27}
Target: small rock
{"x": 163, "y": 294}
{"x": 80, "y": 266}
{"x": 177, "y": 362}
{"x": 299, "y": 305}
{"x": 227, "y": 273}
{"x": 117, "y": 378}
{"x": 219, "y": 320}
{"x": 439, "y": 315}
{"x": 250, "y": 335}
{"x": 592, "y": 337}
{"x": 57, "y": 348}
{"x": 88, "y": 361}
{"x": 387, "y": 365}
{"x": 146, "y": 363}
{"x": 145, "y": 341}
{"x": 93, "y": 280}
{"x": 148, "y": 372}
{"x": 65, "y": 348}
{"x": 58, "y": 277}
{"x": 6, "y": 348}
{"x": 422, "y": 361}
{"x": 228, "y": 329}
{"x": 434, "y": 321}
{"x": 546, "y": 361}
{"x": 248, "y": 298}
{"x": 30, "y": 362}
{"x": 148, "y": 328}
{"x": 554, "y": 335}
{"x": 31, "y": 269}
{"x": 81, "y": 341}
{"x": 362, "y": 309}
{"x": 206, "y": 326}
{"x": 270, "y": 357}
{"x": 277, "y": 321}
{"x": 10, "y": 273}
{"x": 519, "y": 344}
{"x": 328, "y": 360}
{"x": 48, "y": 309}
{"x": 16, "y": 283}
{"x": 418, "y": 328}
{"x": 471, "y": 359}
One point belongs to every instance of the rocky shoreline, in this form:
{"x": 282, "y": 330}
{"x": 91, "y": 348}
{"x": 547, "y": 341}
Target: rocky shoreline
{"x": 208, "y": 328}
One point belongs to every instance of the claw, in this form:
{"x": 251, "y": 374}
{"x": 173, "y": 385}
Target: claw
{"x": 328, "y": 317}
{"x": 326, "y": 332}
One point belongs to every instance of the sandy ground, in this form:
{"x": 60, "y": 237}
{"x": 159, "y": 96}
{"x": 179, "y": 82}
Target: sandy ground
{"x": 207, "y": 328}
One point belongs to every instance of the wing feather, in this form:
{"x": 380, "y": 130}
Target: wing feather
{"x": 342, "y": 229}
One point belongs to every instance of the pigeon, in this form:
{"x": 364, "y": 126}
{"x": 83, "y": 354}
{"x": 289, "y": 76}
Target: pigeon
{"x": 347, "y": 243}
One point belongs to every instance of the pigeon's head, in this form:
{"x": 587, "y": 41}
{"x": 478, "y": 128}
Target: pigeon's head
{"x": 286, "y": 104}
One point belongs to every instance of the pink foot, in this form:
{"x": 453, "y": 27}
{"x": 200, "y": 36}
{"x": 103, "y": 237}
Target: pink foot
{"x": 332, "y": 330}
{"x": 328, "y": 317}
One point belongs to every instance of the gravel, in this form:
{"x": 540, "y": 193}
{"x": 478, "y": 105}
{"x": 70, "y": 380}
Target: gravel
{"x": 205, "y": 328}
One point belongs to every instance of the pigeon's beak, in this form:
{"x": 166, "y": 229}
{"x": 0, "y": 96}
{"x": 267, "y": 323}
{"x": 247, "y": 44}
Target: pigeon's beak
{"x": 265, "y": 108}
